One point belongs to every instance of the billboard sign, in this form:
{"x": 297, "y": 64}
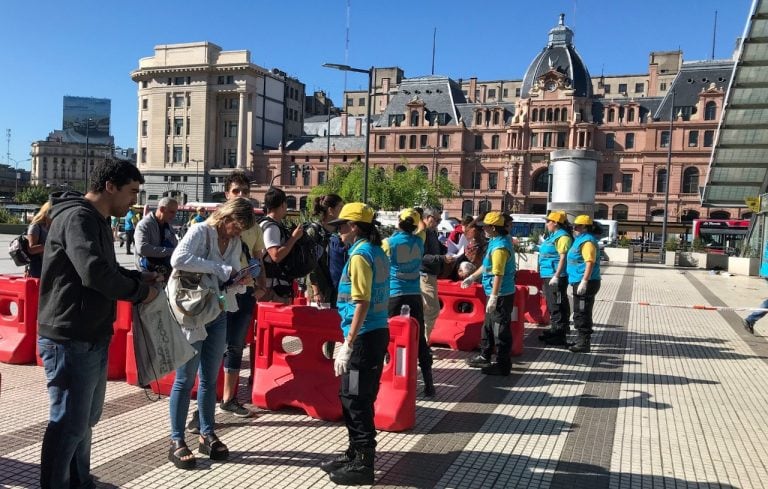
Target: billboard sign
{"x": 77, "y": 111}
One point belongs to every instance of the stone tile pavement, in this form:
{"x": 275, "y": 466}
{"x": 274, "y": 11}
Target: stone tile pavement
{"x": 668, "y": 398}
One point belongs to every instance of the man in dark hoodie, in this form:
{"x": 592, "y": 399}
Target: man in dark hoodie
{"x": 80, "y": 284}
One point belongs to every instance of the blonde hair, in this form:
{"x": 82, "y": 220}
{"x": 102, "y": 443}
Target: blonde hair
{"x": 239, "y": 210}
{"x": 43, "y": 213}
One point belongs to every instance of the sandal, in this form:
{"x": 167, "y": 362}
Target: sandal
{"x": 213, "y": 447}
{"x": 179, "y": 450}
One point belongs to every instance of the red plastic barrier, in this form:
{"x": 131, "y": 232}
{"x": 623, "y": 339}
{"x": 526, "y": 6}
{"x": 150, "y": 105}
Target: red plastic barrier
{"x": 395, "y": 405}
{"x": 18, "y": 319}
{"x": 131, "y": 374}
{"x": 305, "y": 379}
{"x": 536, "y": 305}
{"x": 518, "y": 319}
{"x": 116, "y": 356}
{"x": 457, "y": 329}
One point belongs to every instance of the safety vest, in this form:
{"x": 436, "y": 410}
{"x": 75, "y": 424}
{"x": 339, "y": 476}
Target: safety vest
{"x": 764, "y": 263}
{"x": 405, "y": 253}
{"x": 377, "y": 316}
{"x": 548, "y": 255}
{"x": 508, "y": 280}
{"x": 576, "y": 264}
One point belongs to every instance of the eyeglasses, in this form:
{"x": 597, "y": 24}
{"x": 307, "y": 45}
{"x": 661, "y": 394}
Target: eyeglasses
{"x": 240, "y": 191}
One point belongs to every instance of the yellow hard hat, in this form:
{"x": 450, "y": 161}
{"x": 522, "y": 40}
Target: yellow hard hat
{"x": 354, "y": 211}
{"x": 556, "y": 216}
{"x": 583, "y": 220}
{"x": 493, "y": 218}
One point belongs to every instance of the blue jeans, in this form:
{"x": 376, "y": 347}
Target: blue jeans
{"x": 754, "y": 316}
{"x": 237, "y": 327}
{"x": 206, "y": 363}
{"x": 76, "y": 375}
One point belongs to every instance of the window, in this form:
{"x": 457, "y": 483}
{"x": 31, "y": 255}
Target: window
{"x": 620, "y": 212}
{"x": 412, "y": 142}
{"x": 445, "y": 140}
{"x": 396, "y": 120}
{"x": 220, "y": 80}
{"x": 662, "y": 86}
{"x": 320, "y": 177}
{"x": 611, "y": 115}
{"x": 517, "y": 92}
{"x": 479, "y": 118}
{"x": 626, "y": 183}
{"x": 382, "y": 142}
{"x": 664, "y": 139}
{"x": 629, "y": 140}
{"x": 661, "y": 181}
{"x": 607, "y": 88}
{"x": 423, "y": 141}
{"x": 230, "y": 129}
{"x": 623, "y": 88}
{"x": 493, "y": 180}
{"x": 534, "y": 115}
{"x": 710, "y": 111}
{"x": 495, "y": 118}
{"x": 709, "y": 138}
{"x": 476, "y": 180}
{"x": 561, "y": 137}
{"x": 230, "y": 79}
{"x": 231, "y": 158}
{"x": 144, "y": 84}
{"x": 607, "y": 182}
{"x": 306, "y": 175}
{"x": 534, "y": 140}
{"x": 478, "y": 142}
{"x": 691, "y": 180}
{"x": 401, "y": 142}
{"x": 491, "y": 93}
{"x": 693, "y": 139}
{"x": 350, "y": 102}
{"x": 547, "y": 140}
{"x": 178, "y": 100}
{"x": 564, "y": 115}
{"x": 541, "y": 182}
{"x": 188, "y": 126}
{"x": 631, "y": 115}
{"x": 495, "y": 141}
{"x": 444, "y": 172}
{"x": 639, "y": 88}
{"x": 505, "y": 93}
{"x": 178, "y": 154}
{"x": 423, "y": 169}
{"x": 178, "y": 126}
{"x": 144, "y": 128}
{"x": 143, "y": 155}
{"x": 361, "y": 101}
{"x": 610, "y": 140}
{"x": 179, "y": 80}
{"x": 145, "y": 103}
{"x": 414, "y": 118}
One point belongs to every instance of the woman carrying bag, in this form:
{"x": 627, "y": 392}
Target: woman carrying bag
{"x": 584, "y": 276}
{"x": 552, "y": 260}
{"x": 211, "y": 252}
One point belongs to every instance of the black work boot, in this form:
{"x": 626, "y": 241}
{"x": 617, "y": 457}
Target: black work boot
{"x": 548, "y": 334}
{"x": 582, "y": 344}
{"x": 340, "y": 461}
{"x": 358, "y": 472}
{"x": 478, "y": 361}
{"x": 429, "y": 385}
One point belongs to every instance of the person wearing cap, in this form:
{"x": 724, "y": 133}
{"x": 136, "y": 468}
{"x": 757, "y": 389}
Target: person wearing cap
{"x": 498, "y": 276}
{"x": 583, "y": 269}
{"x": 552, "y": 261}
{"x": 199, "y": 216}
{"x": 362, "y": 302}
{"x": 405, "y": 250}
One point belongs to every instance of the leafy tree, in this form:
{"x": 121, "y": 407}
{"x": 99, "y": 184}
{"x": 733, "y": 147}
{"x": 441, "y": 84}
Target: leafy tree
{"x": 32, "y": 194}
{"x": 8, "y": 218}
{"x": 387, "y": 188}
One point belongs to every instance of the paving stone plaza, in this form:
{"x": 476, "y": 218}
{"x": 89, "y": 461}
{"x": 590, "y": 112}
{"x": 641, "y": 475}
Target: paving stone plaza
{"x": 669, "y": 397}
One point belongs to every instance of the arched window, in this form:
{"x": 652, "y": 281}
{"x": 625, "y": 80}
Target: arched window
{"x": 444, "y": 172}
{"x": 691, "y": 180}
{"x": 710, "y": 111}
{"x": 557, "y": 114}
{"x": 401, "y": 169}
{"x": 495, "y": 118}
{"x": 661, "y": 181}
{"x": 719, "y": 215}
{"x": 534, "y": 115}
{"x": 601, "y": 211}
{"x": 541, "y": 181}
{"x": 689, "y": 215}
{"x": 479, "y": 118}
{"x": 611, "y": 115}
{"x": 549, "y": 115}
{"x": 564, "y": 115}
{"x": 483, "y": 207}
{"x": 302, "y": 203}
{"x": 620, "y": 212}
{"x": 291, "y": 201}
{"x": 423, "y": 169}
{"x": 414, "y": 118}
{"x": 631, "y": 115}
{"x": 466, "y": 208}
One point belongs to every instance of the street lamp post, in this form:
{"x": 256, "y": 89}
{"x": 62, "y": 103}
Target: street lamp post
{"x": 85, "y": 170}
{"x": 16, "y": 173}
{"x": 666, "y": 178}
{"x": 367, "y": 119}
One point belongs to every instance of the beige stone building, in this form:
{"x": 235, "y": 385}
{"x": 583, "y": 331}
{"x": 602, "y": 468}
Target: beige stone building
{"x": 59, "y": 161}
{"x": 202, "y": 111}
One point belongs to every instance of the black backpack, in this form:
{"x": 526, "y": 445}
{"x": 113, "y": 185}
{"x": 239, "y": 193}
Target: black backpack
{"x": 19, "y": 250}
{"x": 299, "y": 262}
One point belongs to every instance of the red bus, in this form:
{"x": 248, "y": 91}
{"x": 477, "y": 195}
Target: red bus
{"x": 721, "y": 235}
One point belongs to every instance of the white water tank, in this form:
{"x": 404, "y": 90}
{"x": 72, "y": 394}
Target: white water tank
{"x": 573, "y": 175}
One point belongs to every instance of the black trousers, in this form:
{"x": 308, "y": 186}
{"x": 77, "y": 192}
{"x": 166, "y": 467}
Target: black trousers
{"x": 129, "y": 240}
{"x": 583, "y": 305}
{"x": 497, "y": 331}
{"x": 416, "y": 304}
{"x": 360, "y": 386}
{"x": 557, "y": 304}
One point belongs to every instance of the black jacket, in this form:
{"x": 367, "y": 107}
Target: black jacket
{"x": 81, "y": 280}
{"x": 434, "y": 254}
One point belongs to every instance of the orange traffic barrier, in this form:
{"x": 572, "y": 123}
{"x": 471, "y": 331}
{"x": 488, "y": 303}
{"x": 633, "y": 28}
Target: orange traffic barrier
{"x": 302, "y": 377}
{"x": 535, "y": 305}
{"x": 517, "y": 325}
{"x": 395, "y": 405}
{"x": 117, "y": 353}
{"x": 461, "y": 317}
{"x": 18, "y": 319}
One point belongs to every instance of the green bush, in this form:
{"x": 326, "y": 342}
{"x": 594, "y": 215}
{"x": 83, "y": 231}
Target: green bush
{"x": 672, "y": 244}
{"x": 697, "y": 245}
{"x": 624, "y": 241}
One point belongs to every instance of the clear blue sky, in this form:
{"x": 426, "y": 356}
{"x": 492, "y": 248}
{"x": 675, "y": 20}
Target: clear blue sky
{"x": 88, "y": 48}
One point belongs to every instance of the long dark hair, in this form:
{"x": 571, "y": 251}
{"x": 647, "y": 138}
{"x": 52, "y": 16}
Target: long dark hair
{"x": 325, "y": 202}
{"x": 369, "y": 232}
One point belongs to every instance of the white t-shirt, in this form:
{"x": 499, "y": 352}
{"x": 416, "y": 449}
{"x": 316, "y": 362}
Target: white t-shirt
{"x": 272, "y": 238}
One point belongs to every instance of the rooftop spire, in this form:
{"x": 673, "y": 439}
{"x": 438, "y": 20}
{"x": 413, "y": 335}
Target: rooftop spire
{"x": 561, "y": 34}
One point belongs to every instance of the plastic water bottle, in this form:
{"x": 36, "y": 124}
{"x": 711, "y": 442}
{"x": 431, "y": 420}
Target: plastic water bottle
{"x": 405, "y": 310}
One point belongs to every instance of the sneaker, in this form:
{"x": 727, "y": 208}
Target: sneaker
{"x": 478, "y": 361}
{"x": 748, "y": 325}
{"x": 235, "y": 408}
{"x": 194, "y": 424}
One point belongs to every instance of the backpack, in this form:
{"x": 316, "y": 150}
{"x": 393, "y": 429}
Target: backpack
{"x": 299, "y": 262}
{"x": 19, "y": 250}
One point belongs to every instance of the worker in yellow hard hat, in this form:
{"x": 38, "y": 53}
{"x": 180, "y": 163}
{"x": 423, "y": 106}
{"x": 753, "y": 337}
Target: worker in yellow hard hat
{"x": 584, "y": 275}
{"x": 552, "y": 261}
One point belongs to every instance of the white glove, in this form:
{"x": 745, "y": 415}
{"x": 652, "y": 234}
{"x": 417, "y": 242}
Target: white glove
{"x": 467, "y": 282}
{"x": 553, "y": 281}
{"x": 490, "y": 306}
{"x": 582, "y": 288}
{"x": 341, "y": 364}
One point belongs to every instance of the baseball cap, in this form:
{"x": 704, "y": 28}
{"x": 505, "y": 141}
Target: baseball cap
{"x": 493, "y": 218}
{"x": 410, "y": 212}
{"x": 556, "y": 216}
{"x": 583, "y": 220}
{"x": 354, "y": 211}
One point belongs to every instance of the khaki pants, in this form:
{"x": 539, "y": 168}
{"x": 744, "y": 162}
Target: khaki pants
{"x": 431, "y": 302}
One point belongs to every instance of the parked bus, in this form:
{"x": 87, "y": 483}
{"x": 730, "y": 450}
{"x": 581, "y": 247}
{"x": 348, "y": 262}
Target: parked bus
{"x": 721, "y": 235}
